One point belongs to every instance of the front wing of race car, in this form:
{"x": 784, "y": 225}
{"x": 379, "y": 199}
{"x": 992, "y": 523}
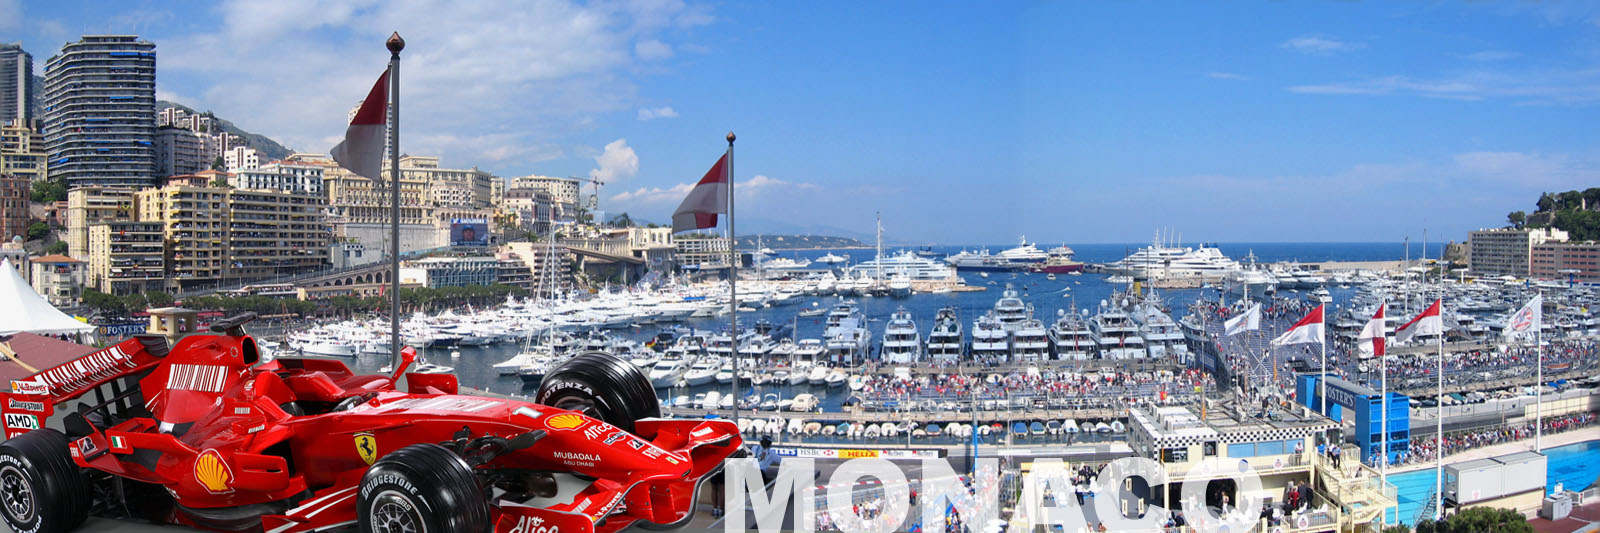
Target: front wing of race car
{"x": 603, "y": 506}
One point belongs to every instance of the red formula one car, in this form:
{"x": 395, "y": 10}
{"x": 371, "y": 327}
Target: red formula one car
{"x": 206, "y": 435}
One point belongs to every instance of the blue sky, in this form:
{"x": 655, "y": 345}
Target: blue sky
{"x": 960, "y": 122}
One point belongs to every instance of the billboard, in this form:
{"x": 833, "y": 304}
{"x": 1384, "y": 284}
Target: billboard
{"x": 469, "y": 232}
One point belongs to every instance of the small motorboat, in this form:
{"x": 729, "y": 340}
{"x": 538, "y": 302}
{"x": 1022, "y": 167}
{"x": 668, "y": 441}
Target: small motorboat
{"x": 1053, "y": 427}
{"x": 795, "y": 425}
{"x": 1019, "y": 428}
{"x": 836, "y": 378}
{"x": 1102, "y": 428}
{"x": 1036, "y": 428}
{"x": 933, "y": 430}
{"x": 769, "y": 402}
{"x": 681, "y": 400}
{"x": 811, "y": 428}
{"x": 829, "y": 430}
{"x": 872, "y": 431}
{"x": 818, "y": 375}
{"x": 857, "y": 382}
{"x": 726, "y": 402}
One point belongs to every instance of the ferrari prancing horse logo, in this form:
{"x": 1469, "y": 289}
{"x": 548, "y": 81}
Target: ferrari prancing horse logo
{"x": 367, "y": 446}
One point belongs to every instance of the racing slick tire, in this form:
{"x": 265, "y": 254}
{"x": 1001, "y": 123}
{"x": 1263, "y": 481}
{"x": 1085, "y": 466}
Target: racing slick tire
{"x": 601, "y": 386}
{"x": 41, "y": 489}
{"x": 422, "y": 488}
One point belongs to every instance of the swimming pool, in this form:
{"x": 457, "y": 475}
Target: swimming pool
{"x": 1574, "y": 465}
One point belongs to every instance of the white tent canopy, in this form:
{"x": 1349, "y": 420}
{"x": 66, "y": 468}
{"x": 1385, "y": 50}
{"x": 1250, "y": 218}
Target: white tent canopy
{"x": 21, "y": 309}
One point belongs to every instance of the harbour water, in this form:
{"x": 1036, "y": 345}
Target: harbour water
{"x": 1047, "y": 297}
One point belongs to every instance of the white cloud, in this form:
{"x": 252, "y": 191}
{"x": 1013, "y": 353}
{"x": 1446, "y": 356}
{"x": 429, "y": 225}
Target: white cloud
{"x": 759, "y": 184}
{"x": 522, "y": 73}
{"x": 652, "y": 50}
{"x": 1551, "y": 86}
{"x": 1491, "y": 55}
{"x": 1391, "y": 84}
{"x": 1320, "y": 44}
{"x": 1226, "y": 76}
{"x": 651, "y": 113}
{"x": 653, "y": 195}
{"x": 616, "y": 162}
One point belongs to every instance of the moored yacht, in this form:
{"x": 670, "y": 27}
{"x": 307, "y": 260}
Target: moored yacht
{"x": 990, "y": 342}
{"x": 1071, "y": 339}
{"x": 902, "y": 343}
{"x": 944, "y": 340}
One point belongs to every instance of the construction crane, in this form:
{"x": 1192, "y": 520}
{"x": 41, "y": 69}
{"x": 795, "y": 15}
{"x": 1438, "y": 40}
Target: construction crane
{"x": 594, "y": 199}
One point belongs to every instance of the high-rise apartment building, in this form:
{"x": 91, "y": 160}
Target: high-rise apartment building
{"x": 14, "y": 192}
{"x": 1506, "y": 251}
{"x": 17, "y": 101}
{"x": 22, "y": 151}
{"x": 87, "y": 206}
{"x": 241, "y": 158}
{"x": 280, "y": 176}
{"x": 180, "y": 151}
{"x": 1566, "y": 261}
{"x": 127, "y": 257}
{"x": 218, "y": 234}
{"x": 99, "y": 111}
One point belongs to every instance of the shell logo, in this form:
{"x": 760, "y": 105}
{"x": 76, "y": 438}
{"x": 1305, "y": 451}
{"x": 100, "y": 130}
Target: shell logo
{"x": 564, "y": 422}
{"x": 213, "y": 473}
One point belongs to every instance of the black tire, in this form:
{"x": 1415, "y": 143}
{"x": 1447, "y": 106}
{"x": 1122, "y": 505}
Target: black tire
{"x": 601, "y": 386}
{"x": 423, "y": 486}
{"x": 41, "y": 489}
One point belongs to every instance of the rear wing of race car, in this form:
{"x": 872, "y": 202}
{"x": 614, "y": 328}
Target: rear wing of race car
{"x": 33, "y": 399}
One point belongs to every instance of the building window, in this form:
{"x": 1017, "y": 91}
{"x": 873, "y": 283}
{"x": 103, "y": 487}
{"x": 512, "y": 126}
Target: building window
{"x": 1210, "y": 449}
{"x": 1175, "y": 455}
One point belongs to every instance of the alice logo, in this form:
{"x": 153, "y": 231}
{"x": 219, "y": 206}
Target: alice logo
{"x": 213, "y": 472}
{"x": 568, "y": 421}
{"x": 367, "y": 446}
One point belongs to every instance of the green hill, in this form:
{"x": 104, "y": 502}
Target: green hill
{"x": 1575, "y": 212}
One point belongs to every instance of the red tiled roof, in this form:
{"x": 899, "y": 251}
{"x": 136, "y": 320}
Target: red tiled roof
{"x": 55, "y": 258}
{"x": 39, "y": 352}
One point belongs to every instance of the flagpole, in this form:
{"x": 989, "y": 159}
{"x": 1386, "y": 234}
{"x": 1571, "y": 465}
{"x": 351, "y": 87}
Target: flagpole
{"x": 395, "y": 45}
{"x": 1383, "y": 380}
{"x": 1438, "y": 435}
{"x": 1322, "y": 340}
{"x": 733, "y": 278}
{"x": 1538, "y": 386}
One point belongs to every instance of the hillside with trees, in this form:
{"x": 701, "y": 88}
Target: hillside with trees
{"x": 1575, "y": 212}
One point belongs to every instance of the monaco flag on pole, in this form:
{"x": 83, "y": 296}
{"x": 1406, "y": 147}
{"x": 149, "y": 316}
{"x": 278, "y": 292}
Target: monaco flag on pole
{"x": 1373, "y": 335}
{"x": 1308, "y": 329}
{"x": 1425, "y": 324}
{"x": 708, "y": 198}
{"x": 361, "y": 151}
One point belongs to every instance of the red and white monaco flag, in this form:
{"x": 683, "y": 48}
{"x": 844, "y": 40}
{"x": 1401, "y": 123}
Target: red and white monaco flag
{"x": 1373, "y": 335}
{"x": 708, "y": 198}
{"x": 1308, "y": 329}
{"x": 361, "y": 151}
{"x": 1425, "y": 324}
